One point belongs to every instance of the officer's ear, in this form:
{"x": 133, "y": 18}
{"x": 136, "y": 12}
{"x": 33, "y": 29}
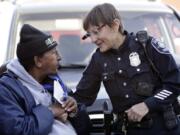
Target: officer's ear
{"x": 116, "y": 24}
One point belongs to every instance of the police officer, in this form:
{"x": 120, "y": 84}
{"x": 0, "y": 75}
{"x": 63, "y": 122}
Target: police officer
{"x": 135, "y": 89}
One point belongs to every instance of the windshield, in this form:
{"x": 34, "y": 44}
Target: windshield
{"x": 164, "y": 26}
{"x": 67, "y": 31}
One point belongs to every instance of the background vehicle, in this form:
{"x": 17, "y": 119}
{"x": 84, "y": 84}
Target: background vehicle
{"x": 64, "y": 22}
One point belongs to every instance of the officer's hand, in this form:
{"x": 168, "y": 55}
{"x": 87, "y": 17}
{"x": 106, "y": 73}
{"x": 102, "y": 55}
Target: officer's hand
{"x": 70, "y": 105}
{"x": 137, "y": 112}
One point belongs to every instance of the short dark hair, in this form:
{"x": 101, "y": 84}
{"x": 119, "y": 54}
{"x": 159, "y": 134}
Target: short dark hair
{"x": 103, "y": 13}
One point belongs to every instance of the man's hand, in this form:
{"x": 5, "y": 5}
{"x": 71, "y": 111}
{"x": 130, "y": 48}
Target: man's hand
{"x": 137, "y": 112}
{"x": 63, "y": 117}
{"x": 70, "y": 105}
{"x": 59, "y": 112}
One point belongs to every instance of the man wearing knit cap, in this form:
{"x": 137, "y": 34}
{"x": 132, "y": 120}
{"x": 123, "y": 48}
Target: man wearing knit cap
{"x": 29, "y": 104}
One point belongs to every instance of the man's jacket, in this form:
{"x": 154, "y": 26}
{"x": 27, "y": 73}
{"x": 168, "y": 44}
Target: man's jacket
{"x": 19, "y": 114}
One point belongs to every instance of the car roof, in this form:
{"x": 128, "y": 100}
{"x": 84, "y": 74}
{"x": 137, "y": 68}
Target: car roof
{"x": 84, "y": 6}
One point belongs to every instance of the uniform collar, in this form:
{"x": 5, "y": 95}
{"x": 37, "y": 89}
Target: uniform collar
{"x": 124, "y": 45}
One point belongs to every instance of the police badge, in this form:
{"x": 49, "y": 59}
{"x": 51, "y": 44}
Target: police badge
{"x": 134, "y": 59}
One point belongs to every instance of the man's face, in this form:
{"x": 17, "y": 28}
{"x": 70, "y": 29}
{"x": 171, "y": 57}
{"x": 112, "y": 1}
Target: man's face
{"x": 50, "y": 62}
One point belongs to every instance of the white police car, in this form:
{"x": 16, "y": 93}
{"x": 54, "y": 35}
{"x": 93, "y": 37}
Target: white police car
{"x": 64, "y": 21}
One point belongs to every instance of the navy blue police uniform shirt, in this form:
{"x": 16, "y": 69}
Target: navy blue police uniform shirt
{"x": 121, "y": 70}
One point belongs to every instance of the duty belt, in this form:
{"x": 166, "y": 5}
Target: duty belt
{"x": 147, "y": 122}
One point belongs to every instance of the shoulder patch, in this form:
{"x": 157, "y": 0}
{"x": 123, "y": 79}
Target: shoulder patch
{"x": 159, "y": 46}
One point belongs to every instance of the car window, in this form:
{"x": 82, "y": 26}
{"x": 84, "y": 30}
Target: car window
{"x": 173, "y": 26}
{"x": 153, "y": 23}
{"x": 68, "y": 32}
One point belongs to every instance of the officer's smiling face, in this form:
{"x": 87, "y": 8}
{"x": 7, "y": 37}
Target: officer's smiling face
{"x": 104, "y": 36}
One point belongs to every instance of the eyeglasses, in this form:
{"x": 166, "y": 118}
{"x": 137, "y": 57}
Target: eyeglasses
{"x": 93, "y": 33}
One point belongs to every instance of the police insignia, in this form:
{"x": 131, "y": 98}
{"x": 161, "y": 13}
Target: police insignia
{"x": 159, "y": 46}
{"x": 134, "y": 59}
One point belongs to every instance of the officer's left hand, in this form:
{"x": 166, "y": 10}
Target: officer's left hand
{"x": 137, "y": 112}
{"x": 70, "y": 105}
